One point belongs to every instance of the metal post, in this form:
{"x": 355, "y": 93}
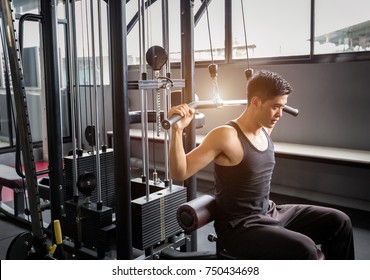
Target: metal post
{"x": 187, "y": 63}
{"x": 117, "y": 16}
{"x": 53, "y": 110}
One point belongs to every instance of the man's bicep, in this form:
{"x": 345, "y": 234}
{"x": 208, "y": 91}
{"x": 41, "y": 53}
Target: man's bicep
{"x": 202, "y": 155}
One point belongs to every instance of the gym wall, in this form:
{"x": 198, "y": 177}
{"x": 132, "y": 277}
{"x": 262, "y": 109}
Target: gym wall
{"x": 333, "y": 100}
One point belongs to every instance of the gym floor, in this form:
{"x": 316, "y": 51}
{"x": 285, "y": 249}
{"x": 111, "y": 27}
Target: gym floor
{"x": 360, "y": 219}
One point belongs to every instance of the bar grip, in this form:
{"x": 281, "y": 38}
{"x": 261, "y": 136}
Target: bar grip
{"x": 58, "y": 232}
{"x": 166, "y": 124}
{"x": 291, "y": 110}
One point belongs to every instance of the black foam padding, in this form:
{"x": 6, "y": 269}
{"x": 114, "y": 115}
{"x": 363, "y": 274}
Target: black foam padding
{"x": 196, "y": 213}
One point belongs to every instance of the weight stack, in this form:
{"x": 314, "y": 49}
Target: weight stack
{"x": 155, "y": 220}
{"x": 96, "y": 225}
{"x": 138, "y": 188}
{"x": 87, "y": 163}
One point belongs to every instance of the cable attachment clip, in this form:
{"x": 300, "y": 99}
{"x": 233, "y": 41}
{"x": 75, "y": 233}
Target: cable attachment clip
{"x": 212, "y": 68}
{"x": 248, "y": 73}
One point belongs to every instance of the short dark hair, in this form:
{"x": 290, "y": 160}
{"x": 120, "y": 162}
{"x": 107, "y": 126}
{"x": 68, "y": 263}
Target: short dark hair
{"x": 267, "y": 85}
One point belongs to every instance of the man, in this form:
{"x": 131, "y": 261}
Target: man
{"x": 248, "y": 224}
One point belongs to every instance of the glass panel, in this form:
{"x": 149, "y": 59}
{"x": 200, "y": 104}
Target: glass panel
{"x": 61, "y": 10}
{"x": 273, "y": 28}
{"x": 22, "y": 6}
{"x": 84, "y": 43}
{"x": 105, "y": 44}
{"x": 83, "y": 46}
{"x": 32, "y": 75}
{"x": 62, "y": 56}
{"x": 133, "y": 49}
{"x": 5, "y": 116}
{"x": 153, "y": 29}
{"x": 201, "y": 38}
{"x": 338, "y": 29}
{"x": 31, "y": 72}
{"x": 31, "y": 67}
{"x": 174, "y": 30}
{"x": 63, "y": 79}
{"x": 216, "y": 15}
{"x": 31, "y": 52}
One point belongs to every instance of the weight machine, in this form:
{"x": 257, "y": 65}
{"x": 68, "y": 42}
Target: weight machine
{"x": 101, "y": 208}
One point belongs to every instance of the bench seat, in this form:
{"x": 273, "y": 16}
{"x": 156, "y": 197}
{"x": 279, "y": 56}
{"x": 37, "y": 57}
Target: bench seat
{"x": 341, "y": 156}
{"x": 10, "y": 179}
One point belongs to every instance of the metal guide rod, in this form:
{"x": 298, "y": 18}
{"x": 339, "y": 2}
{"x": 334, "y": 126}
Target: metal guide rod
{"x": 97, "y": 124}
{"x": 145, "y": 141}
{"x": 211, "y": 104}
{"x": 76, "y": 74}
{"x": 73, "y": 97}
{"x": 101, "y": 66}
{"x": 167, "y": 91}
{"x": 144, "y": 100}
{"x": 22, "y": 120}
{"x": 167, "y": 103}
{"x": 82, "y": 13}
{"x": 143, "y": 76}
{"x": 88, "y": 60}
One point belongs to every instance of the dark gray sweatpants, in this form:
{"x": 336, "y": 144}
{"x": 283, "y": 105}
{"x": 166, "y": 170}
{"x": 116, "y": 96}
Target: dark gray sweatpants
{"x": 291, "y": 231}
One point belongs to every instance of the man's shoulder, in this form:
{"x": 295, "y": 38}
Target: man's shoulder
{"x": 223, "y": 129}
{"x": 222, "y": 133}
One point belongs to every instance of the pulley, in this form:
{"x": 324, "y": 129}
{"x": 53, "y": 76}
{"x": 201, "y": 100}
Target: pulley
{"x": 86, "y": 183}
{"x": 248, "y": 72}
{"x": 156, "y": 56}
{"x": 90, "y": 135}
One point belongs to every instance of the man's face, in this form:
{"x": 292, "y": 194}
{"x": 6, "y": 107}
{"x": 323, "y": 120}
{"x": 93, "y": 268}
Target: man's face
{"x": 271, "y": 110}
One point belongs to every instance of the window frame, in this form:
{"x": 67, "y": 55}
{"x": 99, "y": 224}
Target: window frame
{"x": 293, "y": 59}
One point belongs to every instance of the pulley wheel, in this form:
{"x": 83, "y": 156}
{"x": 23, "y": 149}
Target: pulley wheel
{"x": 86, "y": 183}
{"x": 156, "y": 57}
{"x": 90, "y": 135}
{"x": 20, "y": 247}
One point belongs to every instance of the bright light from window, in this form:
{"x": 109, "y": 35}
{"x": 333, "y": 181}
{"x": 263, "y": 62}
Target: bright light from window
{"x": 274, "y": 28}
{"x": 338, "y": 29}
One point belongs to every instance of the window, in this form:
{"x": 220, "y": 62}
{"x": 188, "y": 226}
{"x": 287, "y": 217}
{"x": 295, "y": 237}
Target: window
{"x": 216, "y": 15}
{"x": 154, "y": 31}
{"x": 339, "y": 29}
{"x": 31, "y": 73}
{"x": 174, "y": 31}
{"x": 273, "y": 28}
{"x": 84, "y": 43}
{"x": 31, "y": 70}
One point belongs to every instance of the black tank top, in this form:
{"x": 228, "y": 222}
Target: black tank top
{"x": 243, "y": 190}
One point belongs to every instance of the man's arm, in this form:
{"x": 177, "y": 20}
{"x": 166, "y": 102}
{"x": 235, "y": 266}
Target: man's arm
{"x": 182, "y": 165}
{"x": 177, "y": 158}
